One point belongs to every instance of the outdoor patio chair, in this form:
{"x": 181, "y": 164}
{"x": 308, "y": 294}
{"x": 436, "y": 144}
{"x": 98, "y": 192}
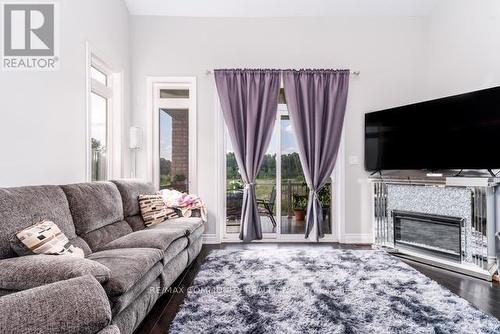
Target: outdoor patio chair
{"x": 266, "y": 206}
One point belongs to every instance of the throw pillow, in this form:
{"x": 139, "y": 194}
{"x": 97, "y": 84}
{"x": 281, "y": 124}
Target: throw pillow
{"x": 154, "y": 210}
{"x": 45, "y": 238}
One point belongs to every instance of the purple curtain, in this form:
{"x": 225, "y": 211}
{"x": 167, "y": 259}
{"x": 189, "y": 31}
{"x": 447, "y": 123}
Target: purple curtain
{"x": 249, "y": 100}
{"x": 316, "y": 101}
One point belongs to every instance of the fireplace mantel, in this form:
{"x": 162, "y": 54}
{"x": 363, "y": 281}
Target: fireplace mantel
{"x": 472, "y": 200}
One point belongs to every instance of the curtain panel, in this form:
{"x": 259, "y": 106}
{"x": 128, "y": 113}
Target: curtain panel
{"x": 249, "y": 101}
{"x": 316, "y": 101}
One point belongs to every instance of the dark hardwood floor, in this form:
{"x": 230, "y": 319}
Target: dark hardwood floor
{"x": 484, "y": 295}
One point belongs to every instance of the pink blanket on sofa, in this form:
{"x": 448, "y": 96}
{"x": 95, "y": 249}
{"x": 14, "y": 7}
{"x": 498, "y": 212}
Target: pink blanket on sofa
{"x": 184, "y": 202}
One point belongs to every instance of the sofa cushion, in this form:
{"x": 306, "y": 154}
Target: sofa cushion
{"x": 130, "y": 191}
{"x": 159, "y": 239}
{"x": 93, "y": 205}
{"x": 111, "y": 329}
{"x": 26, "y": 272}
{"x": 127, "y": 266}
{"x": 196, "y": 234}
{"x": 173, "y": 269}
{"x": 77, "y": 305}
{"x": 119, "y": 303}
{"x": 175, "y": 249}
{"x": 136, "y": 222}
{"x": 82, "y": 244}
{"x": 7, "y": 292}
{"x": 194, "y": 249}
{"x": 104, "y": 235}
{"x": 21, "y": 207}
{"x": 188, "y": 225}
{"x": 131, "y": 317}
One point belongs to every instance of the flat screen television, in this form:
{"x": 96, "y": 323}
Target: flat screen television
{"x": 456, "y": 132}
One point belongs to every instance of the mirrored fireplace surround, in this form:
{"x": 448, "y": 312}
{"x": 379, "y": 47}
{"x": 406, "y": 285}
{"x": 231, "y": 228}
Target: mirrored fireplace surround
{"x": 422, "y": 203}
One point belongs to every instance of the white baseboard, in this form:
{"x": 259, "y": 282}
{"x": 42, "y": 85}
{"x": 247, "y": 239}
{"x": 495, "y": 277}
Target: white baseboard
{"x": 357, "y": 239}
{"x": 210, "y": 238}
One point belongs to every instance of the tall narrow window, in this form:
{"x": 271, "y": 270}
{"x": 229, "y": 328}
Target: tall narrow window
{"x": 174, "y": 141}
{"x": 100, "y": 99}
{"x": 98, "y": 137}
{"x": 174, "y": 149}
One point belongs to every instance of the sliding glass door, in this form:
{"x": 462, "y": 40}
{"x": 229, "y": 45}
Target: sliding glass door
{"x": 265, "y": 189}
{"x": 281, "y": 189}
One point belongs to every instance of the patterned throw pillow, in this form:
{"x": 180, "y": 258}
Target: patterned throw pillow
{"x": 46, "y": 238}
{"x": 154, "y": 210}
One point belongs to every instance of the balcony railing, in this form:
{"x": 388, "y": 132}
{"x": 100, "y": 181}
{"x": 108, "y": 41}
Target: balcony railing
{"x": 264, "y": 189}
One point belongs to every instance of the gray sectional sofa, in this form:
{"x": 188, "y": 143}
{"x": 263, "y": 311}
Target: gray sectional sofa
{"x": 134, "y": 264}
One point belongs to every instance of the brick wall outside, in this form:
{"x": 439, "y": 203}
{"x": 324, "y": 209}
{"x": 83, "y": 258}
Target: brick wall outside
{"x": 180, "y": 148}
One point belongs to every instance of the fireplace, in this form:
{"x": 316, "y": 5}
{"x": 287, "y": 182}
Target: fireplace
{"x": 448, "y": 223}
{"x": 434, "y": 235}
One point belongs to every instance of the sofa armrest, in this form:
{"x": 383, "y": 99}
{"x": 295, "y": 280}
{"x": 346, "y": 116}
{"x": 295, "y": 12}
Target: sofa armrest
{"x": 77, "y": 305}
{"x": 26, "y": 272}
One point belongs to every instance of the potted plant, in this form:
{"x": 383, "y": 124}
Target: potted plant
{"x": 235, "y": 185}
{"x": 325, "y": 197}
{"x": 234, "y": 200}
{"x": 299, "y": 207}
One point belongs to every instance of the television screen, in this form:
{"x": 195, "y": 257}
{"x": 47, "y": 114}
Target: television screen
{"x": 457, "y": 132}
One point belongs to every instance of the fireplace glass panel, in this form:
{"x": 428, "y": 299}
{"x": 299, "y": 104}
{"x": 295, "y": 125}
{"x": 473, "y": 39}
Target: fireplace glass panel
{"x": 431, "y": 234}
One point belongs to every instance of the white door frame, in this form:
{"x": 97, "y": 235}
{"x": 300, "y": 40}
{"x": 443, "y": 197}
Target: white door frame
{"x": 154, "y": 103}
{"x": 338, "y": 190}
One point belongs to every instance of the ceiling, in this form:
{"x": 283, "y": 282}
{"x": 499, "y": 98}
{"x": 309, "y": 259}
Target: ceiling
{"x": 280, "y": 8}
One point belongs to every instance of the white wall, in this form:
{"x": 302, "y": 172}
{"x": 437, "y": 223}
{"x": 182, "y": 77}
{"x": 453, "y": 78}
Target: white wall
{"x": 42, "y": 114}
{"x": 464, "y": 46}
{"x": 390, "y": 52}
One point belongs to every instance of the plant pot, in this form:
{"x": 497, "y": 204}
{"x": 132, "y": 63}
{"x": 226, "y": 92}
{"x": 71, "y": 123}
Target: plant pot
{"x": 326, "y": 212}
{"x": 299, "y": 214}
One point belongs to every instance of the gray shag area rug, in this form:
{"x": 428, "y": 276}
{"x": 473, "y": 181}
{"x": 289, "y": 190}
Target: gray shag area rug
{"x": 321, "y": 291}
